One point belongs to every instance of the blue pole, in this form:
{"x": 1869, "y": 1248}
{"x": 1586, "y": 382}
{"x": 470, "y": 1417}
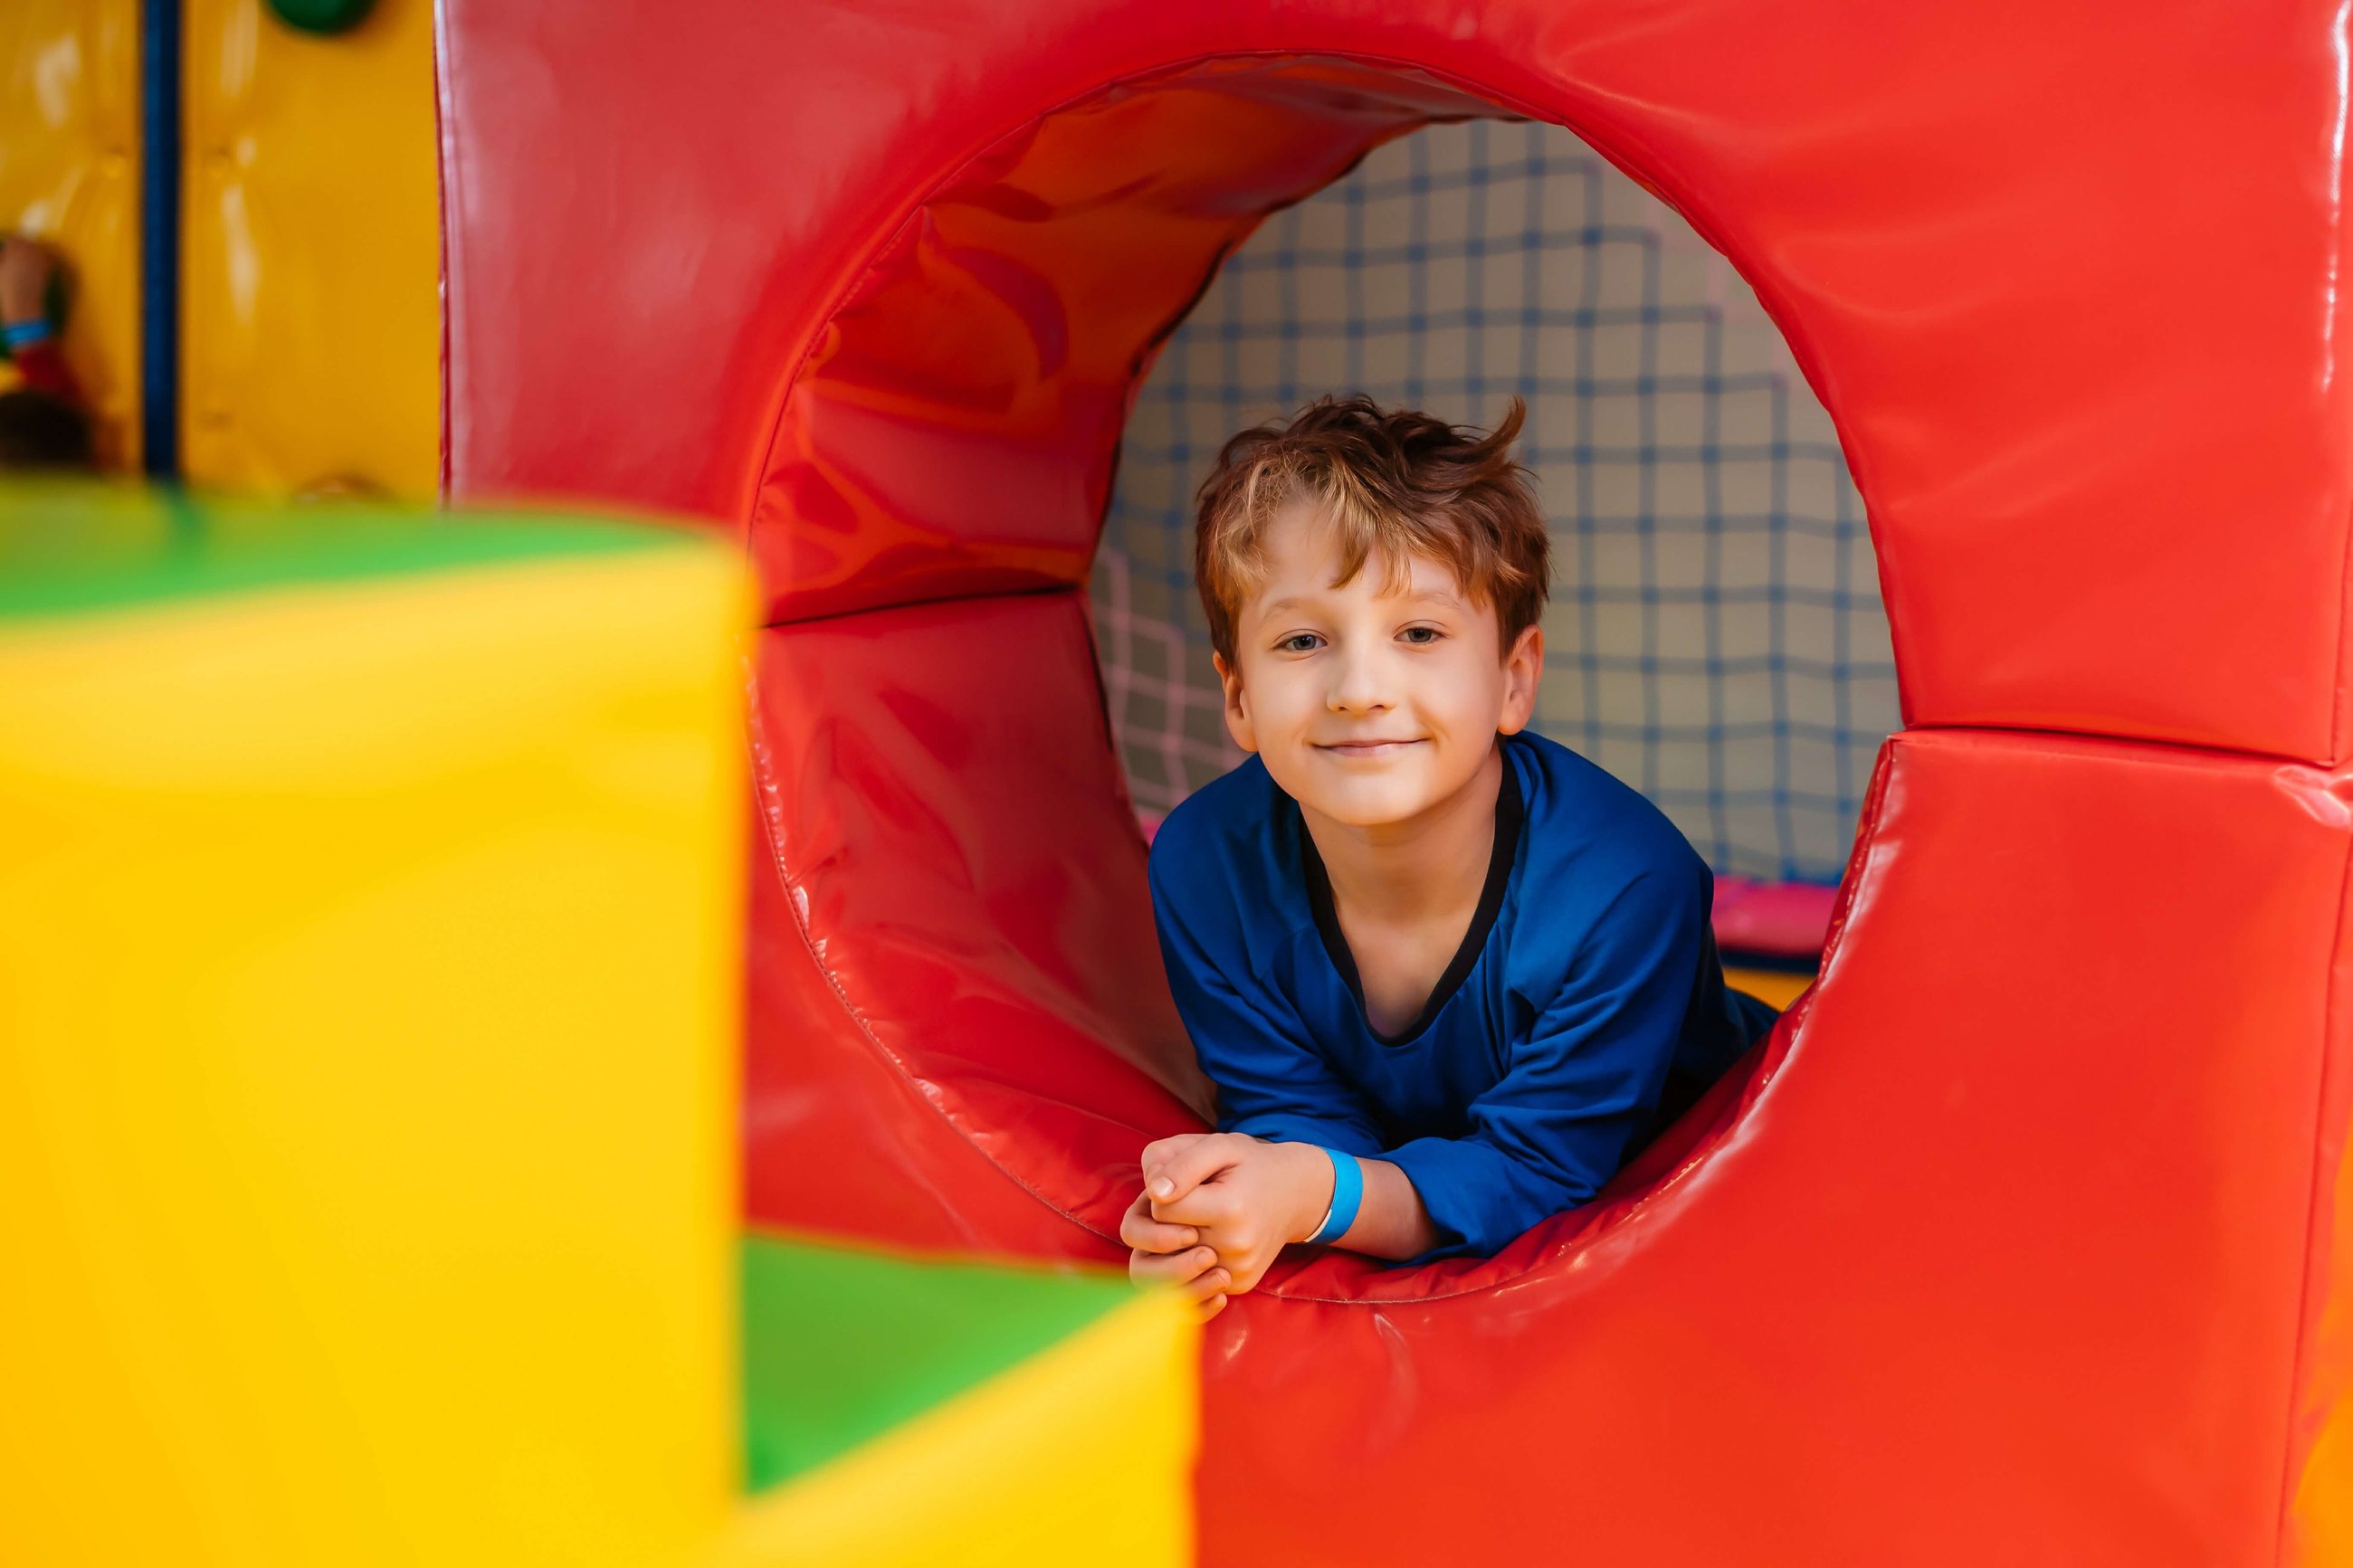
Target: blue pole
{"x": 159, "y": 237}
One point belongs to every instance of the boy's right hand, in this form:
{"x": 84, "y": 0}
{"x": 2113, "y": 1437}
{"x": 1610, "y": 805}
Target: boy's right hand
{"x": 1166, "y": 1254}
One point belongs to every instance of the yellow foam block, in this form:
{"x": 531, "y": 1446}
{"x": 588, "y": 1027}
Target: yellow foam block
{"x": 368, "y": 980}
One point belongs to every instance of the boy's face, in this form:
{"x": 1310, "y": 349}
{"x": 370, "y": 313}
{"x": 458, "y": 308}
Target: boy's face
{"x": 1368, "y": 706}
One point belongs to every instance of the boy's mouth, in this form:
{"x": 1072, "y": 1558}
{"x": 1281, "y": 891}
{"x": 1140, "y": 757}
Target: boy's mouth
{"x": 1365, "y": 747}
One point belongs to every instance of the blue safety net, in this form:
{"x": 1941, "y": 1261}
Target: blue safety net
{"x": 1716, "y": 637}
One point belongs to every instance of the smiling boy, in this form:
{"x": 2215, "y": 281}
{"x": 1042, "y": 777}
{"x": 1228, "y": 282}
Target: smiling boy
{"x": 1445, "y": 974}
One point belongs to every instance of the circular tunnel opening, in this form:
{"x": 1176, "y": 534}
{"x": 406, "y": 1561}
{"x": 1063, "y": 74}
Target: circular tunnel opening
{"x": 1716, "y": 637}
{"x": 1044, "y": 357}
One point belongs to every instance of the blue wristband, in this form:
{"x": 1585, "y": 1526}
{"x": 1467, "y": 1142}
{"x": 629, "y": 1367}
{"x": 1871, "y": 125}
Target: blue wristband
{"x": 24, "y": 334}
{"x": 1347, "y": 1198}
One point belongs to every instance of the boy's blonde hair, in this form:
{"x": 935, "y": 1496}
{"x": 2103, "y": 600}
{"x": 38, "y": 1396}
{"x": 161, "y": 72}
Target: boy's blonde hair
{"x": 1395, "y": 484}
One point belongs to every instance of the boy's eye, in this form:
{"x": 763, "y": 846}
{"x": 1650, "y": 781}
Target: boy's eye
{"x": 1298, "y": 642}
{"x": 1421, "y": 636}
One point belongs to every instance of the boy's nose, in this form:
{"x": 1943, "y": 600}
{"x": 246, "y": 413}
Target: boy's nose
{"x": 1358, "y": 684}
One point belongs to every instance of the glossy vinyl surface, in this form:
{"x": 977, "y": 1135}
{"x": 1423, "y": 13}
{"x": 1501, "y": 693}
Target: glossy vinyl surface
{"x": 1020, "y": 998}
{"x": 1965, "y": 1266}
{"x": 310, "y": 319}
{"x": 2021, "y": 1241}
{"x": 2070, "y": 376}
{"x": 2042, "y": 1243}
{"x": 1008, "y": 321}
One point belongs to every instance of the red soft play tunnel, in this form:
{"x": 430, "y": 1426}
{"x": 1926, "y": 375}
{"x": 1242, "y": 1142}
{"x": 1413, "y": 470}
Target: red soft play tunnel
{"x": 2022, "y": 1240}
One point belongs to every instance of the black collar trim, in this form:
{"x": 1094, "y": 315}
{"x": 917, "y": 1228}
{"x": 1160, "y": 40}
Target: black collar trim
{"x": 1509, "y": 813}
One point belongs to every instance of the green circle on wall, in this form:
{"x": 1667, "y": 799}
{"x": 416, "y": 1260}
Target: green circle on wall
{"x": 321, "y": 16}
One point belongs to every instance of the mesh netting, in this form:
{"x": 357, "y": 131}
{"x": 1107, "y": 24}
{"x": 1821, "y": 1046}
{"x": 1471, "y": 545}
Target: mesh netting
{"x": 1716, "y": 637}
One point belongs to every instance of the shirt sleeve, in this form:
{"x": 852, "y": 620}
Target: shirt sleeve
{"x": 1272, "y": 1081}
{"x": 1582, "y": 1087}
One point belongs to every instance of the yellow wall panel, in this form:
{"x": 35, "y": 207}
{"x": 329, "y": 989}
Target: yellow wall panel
{"x": 310, "y": 294}
{"x": 69, "y": 175}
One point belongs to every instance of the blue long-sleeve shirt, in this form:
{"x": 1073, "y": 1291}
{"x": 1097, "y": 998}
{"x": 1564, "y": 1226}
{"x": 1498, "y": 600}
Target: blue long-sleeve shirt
{"x": 1585, "y": 1008}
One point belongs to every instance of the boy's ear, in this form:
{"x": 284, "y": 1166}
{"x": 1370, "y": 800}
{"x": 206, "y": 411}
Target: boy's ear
{"x": 1523, "y": 668}
{"x": 1238, "y": 719}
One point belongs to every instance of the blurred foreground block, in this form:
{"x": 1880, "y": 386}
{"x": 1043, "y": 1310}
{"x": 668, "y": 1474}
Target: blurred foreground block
{"x": 919, "y": 1413}
{"x": 370, "y": 935}
{"x": 369, "y": 913}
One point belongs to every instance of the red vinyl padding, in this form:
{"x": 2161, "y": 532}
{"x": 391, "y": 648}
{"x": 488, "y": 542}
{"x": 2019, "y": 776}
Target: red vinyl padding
{"x": 2022, "y": 1241}
{"x": 947, "y": 836}
{"x": 2065, "y": 277}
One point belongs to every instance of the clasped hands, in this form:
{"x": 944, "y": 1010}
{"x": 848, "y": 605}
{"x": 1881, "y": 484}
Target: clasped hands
{"x": 1216, "y": 1210}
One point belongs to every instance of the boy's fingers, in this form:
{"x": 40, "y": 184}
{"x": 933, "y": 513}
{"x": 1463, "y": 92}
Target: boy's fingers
{"x": 1201, "y": 1207}
{"x": 1216, "y": 1304}
{"x": 1139, "y": 1230}
{"x": 1203, "y": 1287}
{"x": 1161, "y": 1151}
{"x": 1171, "y": 1267}
{"x": 1184, "y": 1169}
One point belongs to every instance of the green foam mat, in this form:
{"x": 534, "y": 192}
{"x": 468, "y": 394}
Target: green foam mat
{"x": 839, "y": 1346}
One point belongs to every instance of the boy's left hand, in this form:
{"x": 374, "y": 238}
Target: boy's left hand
{"x": 1247, "y": 1199}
